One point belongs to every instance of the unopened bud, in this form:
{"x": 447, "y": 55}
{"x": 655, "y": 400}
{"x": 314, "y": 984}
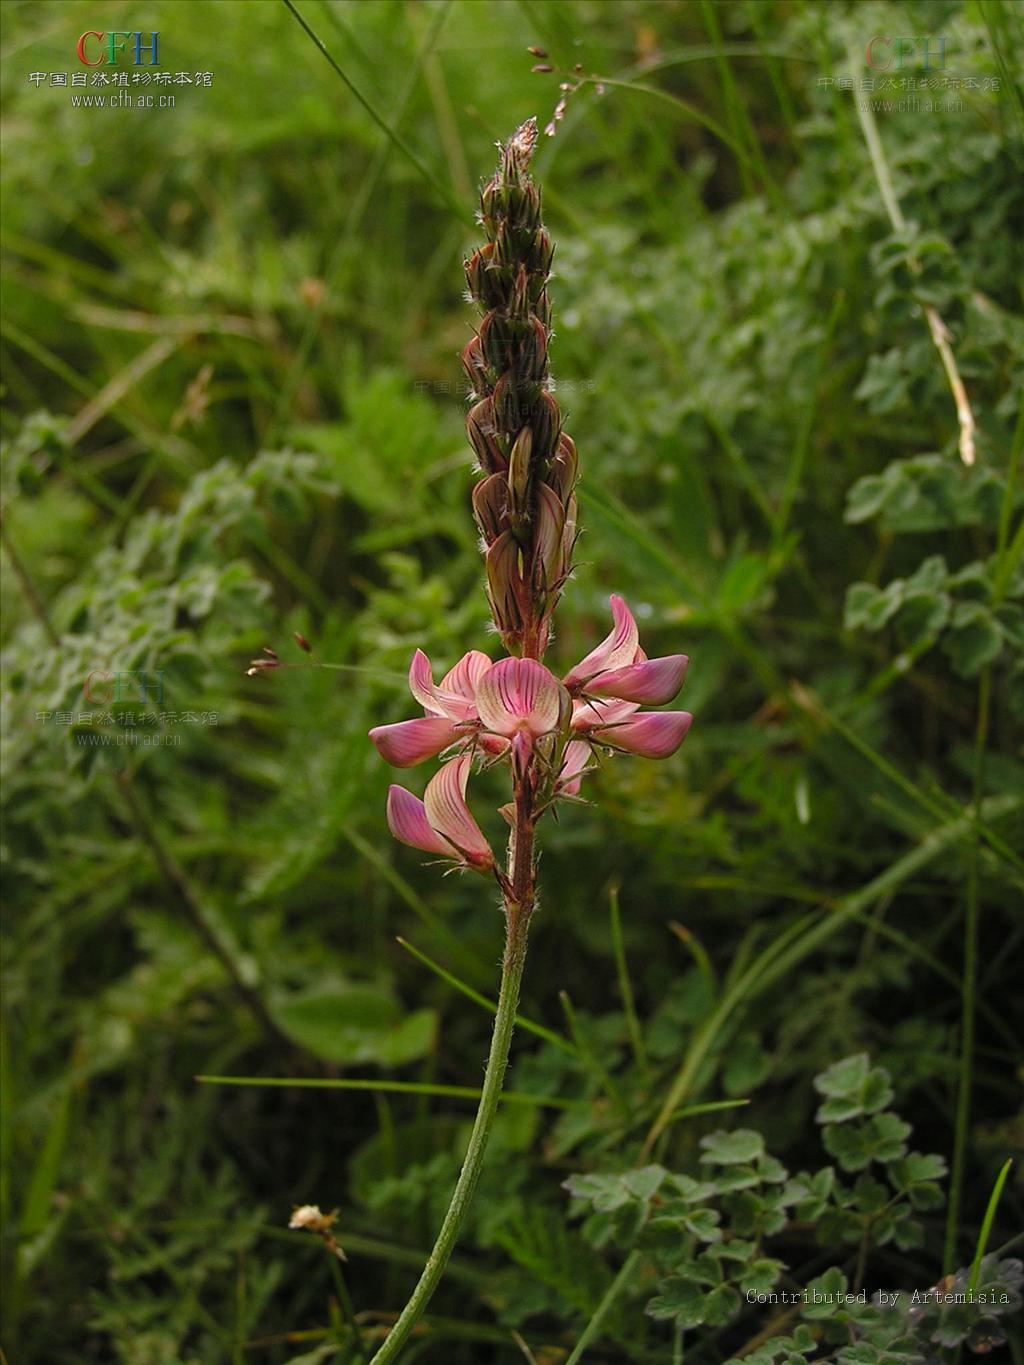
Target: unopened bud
{"x": 519, "y": 473}
{"x": 490, "y": 507}
{"x": 483, "y": 437}
{"x": 518, "y": 149}
{"x": 542, "y": 254}
{"x": 533, "y": 353}
{"x": 542, "y": 68}
{"x": 562, "y": 474}
{"x": 303, "y": 643}
{"x": 546, "y": 422}
{"x": 547, "y": 538}
{"x": 495, "y": 341}
{"x": 507, "y": 405}
{"x": 536, "y": 52}
{"x": 473, "y": 367}
{"x": 504, "y": 583}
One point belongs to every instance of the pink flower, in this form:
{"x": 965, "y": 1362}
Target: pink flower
{"x": 519, "y": 700}
{"x": 519, "y": 696}
{"x": 442, "y": 822}
{"x": 612, "y": 681}
{"x": 450, "y": 711}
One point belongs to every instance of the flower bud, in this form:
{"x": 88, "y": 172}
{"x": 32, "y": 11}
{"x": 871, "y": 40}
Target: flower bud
{"x": 542, "y": 252}
{"x": 483, "y": 437}
{"x": 546, "y": 550}
{"x": 546, "y": 420}
{"x": 518, "y": 150}
{"x": 473, "y": 365}
{"x": 519, "y": 300}
{"x": 504, "y": 584}
{"x": 496, "y": 341}
{"x": 490, "y": 507}
{"x": 507, "y": 405}
{"x": 519, "y": 473}
{"x": 562, "y": 474}
{"x": 533, "y": 353}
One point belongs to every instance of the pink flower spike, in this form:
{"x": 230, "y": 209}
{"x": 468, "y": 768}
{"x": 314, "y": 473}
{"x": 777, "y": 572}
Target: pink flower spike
{"x": 444, "y": 802}
{"x": 411, "y": 741}
{"x": 519, "y": 696}
{"x": 653, "y": 682}
{"x": 651, "y": 734}
{"x": 407, "y": 821}
{"x": 574, "y": 761}
{"x": 615, "y": 651}
{"x": 434, "y": 700}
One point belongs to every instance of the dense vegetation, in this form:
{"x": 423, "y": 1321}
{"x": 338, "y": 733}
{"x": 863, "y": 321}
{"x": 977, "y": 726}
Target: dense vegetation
{"x": 233, "y": 411}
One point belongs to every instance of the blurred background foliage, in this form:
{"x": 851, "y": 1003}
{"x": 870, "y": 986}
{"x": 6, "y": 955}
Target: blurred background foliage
{"x": 233, "y": 410}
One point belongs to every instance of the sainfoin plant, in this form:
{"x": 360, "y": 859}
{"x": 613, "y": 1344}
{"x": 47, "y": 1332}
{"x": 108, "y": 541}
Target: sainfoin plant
{"x": 544, "y": 732}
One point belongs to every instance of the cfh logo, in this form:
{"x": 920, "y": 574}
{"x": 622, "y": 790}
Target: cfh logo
{"x": 93, "y": 46}
{"x": 102, "y": 687}
{"x": 885, "y": 53}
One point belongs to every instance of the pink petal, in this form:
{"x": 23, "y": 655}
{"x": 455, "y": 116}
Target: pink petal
{"x": 463, "y": 678}
{"x": 651, "y": 734}
{"x": 411, "y": 741}
{"x": 654, "y": 681}
{"x": 407, "y": 821}
{"x": 518, "y": 695}
{"x": 617, "y": 649}
{"x": 446, "y": 809}
{"x": 585, "y": 715}
{"x": 433, "y": 700}
{"x": 574, "y": 760}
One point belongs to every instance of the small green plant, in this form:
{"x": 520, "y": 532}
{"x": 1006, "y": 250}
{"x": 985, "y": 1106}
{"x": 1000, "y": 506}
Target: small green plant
{"x": 719, "y": 1241}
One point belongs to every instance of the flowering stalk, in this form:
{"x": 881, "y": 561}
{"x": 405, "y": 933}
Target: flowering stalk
{"x": 547, "y": 731}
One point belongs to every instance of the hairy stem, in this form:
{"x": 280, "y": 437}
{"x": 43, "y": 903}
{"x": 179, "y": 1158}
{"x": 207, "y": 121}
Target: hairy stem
{"x": 518, "y": 908}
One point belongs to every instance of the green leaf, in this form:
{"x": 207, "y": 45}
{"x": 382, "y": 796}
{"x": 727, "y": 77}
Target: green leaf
{"x": 869, "y": 608}
{"x": 356, "y": 1025}
{"x": 761, "y": 1275}
{"x": 823, "y": 1296}
{"x": 680, "y": 1301}
{"x": 644, "y": 1183}
{"x": 844, "y": 1077}
{"x": 703, "y": 1224}
{"x": 973, "y": 639}
{"x": 721, "y": 1305}
{"x": 728, "y": 1148}
{"x": 605, "y": 1192}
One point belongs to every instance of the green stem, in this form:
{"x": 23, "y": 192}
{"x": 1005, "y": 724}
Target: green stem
{"x": 348, "y": 1312}
{"x": 601, "y": 1312}
{"x": 970, "y": 970}
{"x": 518, "y": 919}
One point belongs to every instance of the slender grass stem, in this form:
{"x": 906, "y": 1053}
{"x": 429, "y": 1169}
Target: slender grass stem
{"x": 602, "y": 1310}
{"x": 348, "y": 1311}
{"x": 936, "y": 327}
{"x": 636, "y": 1036}
{"x": 527, "y": 1025}
{"x": 986, "y": 1226}
{"x": 969, "y": 981}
